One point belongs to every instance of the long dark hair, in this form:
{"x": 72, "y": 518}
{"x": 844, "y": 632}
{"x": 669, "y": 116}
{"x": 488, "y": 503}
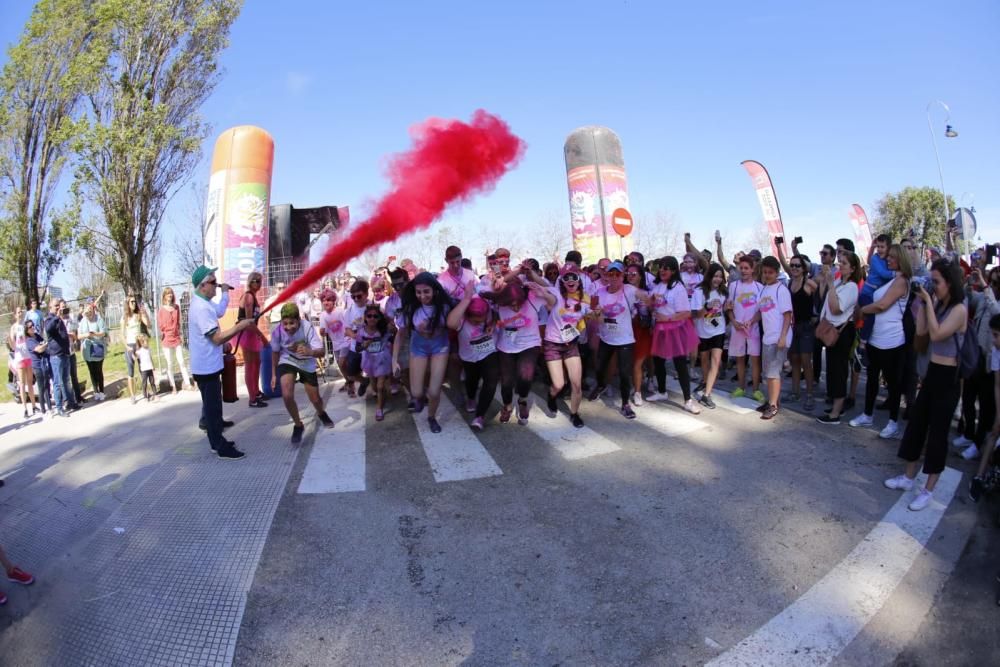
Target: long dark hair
{"x": 669, "y": 262}
{"x": 951, "y": 273}
{"x": 381, "y": 324}
{"x": 440, "y": 300}
{"x": 706, "y": 282}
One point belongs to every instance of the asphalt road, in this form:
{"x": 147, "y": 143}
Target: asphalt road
{"x": 668, "y": 540}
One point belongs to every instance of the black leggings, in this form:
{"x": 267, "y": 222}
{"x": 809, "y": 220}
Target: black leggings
{"x": 96, "y": 369}
{"x": 147, "y": 380}
{"x": 487, "y": 370}
{"x": 683, "y": 376}
{"x": 890, "y": 364}
{"x": 837, "y": 363}
{"x": 930, "y": 418}
{"x": 624, "y": 352}
{"x": 518, "y": 369}
{"x": 979, "y": 386}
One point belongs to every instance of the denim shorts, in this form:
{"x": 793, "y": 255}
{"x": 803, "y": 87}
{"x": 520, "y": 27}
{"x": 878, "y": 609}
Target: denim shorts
{"x": 421, "y": 346}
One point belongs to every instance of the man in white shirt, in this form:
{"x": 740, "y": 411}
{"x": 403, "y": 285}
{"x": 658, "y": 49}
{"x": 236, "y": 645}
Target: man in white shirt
{"x": 455, "y": 278}
{"x": 205, "y": 339}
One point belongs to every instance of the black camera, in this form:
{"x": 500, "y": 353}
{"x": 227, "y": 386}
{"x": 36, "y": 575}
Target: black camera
{"x": 779, "y": 240}
{"x": 797, "y": 240}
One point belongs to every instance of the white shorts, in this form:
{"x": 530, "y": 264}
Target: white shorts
{"x": 741, "y": 343}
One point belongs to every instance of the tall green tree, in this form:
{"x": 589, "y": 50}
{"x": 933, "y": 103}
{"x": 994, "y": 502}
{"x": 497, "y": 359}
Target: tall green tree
{"x": 40, "y": 90}
{"x": 913, "y": 211}
{"x": 142, "y": 135}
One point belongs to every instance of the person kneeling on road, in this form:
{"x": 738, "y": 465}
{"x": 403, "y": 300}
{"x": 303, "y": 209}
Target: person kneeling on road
{"x": 295, "y": 347}
{"x": 205, "y": 339}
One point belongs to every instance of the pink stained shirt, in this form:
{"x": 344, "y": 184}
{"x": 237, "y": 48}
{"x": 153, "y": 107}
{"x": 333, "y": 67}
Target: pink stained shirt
{"x": 169, "y": 322}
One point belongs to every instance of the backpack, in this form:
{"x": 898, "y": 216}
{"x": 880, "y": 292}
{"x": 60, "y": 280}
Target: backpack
{"x": 968, "y": 352}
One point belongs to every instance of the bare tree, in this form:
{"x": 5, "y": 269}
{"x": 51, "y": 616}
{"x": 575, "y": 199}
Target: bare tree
{"x": 657, "y": 234}
{"x": 554, "y": 236}
{"x": 188, "y": 244}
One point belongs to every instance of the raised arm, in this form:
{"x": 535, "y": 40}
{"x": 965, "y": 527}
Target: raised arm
{"x": 720, "y": 253}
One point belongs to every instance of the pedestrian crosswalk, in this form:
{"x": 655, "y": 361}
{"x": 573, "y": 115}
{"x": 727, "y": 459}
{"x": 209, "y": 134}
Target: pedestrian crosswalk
{"x": 338, "y": 460}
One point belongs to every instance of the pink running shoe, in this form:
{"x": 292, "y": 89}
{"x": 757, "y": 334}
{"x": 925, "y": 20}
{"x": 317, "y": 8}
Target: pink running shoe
{"x": 19, "y": 576}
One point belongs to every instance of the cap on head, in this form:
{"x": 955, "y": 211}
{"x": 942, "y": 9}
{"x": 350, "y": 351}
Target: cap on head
{"x": 199, "y": 275}
{"x": 290, "y": 311}
{"x": 755, "y": 254}
{"x": 616, "y": 266}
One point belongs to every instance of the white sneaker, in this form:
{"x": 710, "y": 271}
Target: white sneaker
{"x": 692, "y": 407}
{"x": 961, "y": 442}
{"x": 657, "y": 396}
{"x": 891, "y": 430}
{"x": 922, "y": 500}
{"x": 900, "y": 483}
{"x": 636, "y": 399}
{"x": 861, "y": 420}
{"x": 972, "y": 452}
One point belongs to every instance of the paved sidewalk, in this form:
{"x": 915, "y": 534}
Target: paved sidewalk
{"x": 144, "y": 544}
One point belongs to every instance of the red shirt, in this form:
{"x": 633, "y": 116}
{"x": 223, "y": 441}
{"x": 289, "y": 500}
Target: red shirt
{"x": 168, "y": 319}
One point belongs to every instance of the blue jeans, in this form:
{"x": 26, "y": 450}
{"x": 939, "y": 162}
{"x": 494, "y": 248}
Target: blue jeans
{"x": 60, "y": 381}
{"x": 210, "y": 387}
{"x": 43, "y": 374}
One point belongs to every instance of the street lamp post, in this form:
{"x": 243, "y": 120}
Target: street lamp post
{"x": 950, "y": 134}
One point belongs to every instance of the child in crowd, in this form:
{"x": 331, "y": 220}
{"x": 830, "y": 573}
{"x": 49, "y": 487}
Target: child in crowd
{"x": 745, "y": 337}
{"x": 295, "y": 347}
{"x": 376, "y": 353}
{"x": 146, "y": 369}
{"x": 774, "y": 310}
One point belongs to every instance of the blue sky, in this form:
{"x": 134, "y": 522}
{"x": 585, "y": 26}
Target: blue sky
{"x": 830, "y": 97}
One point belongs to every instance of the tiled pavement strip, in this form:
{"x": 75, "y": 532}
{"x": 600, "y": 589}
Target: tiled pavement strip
{"x": 144, "y": 544}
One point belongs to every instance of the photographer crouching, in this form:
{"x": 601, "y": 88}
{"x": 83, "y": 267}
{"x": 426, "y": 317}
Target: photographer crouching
{"x": 205, "y": 339}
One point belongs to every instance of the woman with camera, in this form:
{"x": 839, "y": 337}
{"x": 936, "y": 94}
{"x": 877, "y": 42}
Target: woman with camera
{"x": 941, "y": 321}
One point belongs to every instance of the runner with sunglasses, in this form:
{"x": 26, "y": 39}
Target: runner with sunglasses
{"x": 354, "y": 319}
{"x": 568, "y": 307}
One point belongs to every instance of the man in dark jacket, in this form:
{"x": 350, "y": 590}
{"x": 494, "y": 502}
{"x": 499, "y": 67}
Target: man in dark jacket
{"x": 59, "y": 351}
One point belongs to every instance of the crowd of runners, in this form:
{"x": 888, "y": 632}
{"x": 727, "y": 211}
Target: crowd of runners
{"x": 922, "y": 323}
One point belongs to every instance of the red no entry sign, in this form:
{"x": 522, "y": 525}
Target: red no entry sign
{"x": 621, "y": 222}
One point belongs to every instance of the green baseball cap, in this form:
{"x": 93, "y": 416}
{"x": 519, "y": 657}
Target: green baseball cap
{"x": 199, "y": 275}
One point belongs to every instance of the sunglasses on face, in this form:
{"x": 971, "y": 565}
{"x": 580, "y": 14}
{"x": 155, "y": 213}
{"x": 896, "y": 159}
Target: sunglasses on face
{"x": 570, "y": 278}
{"x": 210, "y": 282}
{"x": 795, "y": 266}
{"x": 371, "y": 316}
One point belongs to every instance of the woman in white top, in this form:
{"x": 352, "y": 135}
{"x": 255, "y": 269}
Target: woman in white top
{"x": 838, "y": 310}
{"x": 134, "y": 319}
{"x": 887, "y": 342}
{"x": 674, "y": 335}
{"x": 708, "y": 307}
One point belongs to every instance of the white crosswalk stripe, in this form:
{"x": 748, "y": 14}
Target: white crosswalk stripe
{"x": 571, "y": 442}
{"x": 337, "y": 461}
{"x": 455, "y": 453}
{"x": 740, "y": 406}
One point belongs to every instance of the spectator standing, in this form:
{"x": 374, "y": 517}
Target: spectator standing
{"x": 40, "y": 366}
{"x": 94, "y": 334}
{"x": 168, "y": 320}
{"x": 134, "y": 318}
{"x": 58, "y": 349}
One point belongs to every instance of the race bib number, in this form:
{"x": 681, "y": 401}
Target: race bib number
{"x": 568, "y": 333}
{"x": 375, "y": 346}
{"x": 610, "y": 325}
{"x": 511, "y": 334}
{"x": 484, "y": 345}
